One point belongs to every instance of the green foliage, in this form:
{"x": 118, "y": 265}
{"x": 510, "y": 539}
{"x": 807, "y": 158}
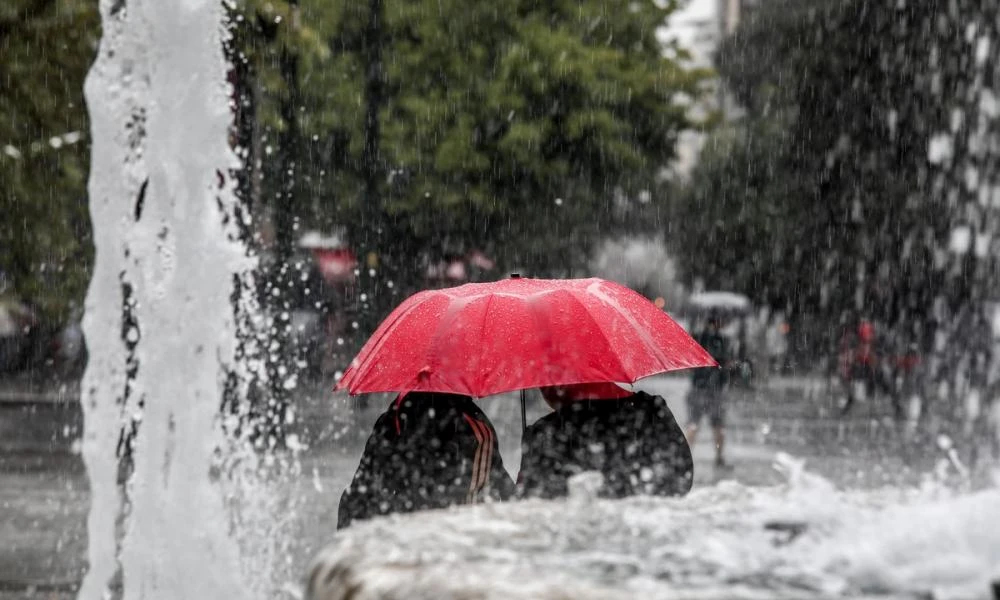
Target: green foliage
{"x": 45, "y": 251}
{"x": 507, "y": 126}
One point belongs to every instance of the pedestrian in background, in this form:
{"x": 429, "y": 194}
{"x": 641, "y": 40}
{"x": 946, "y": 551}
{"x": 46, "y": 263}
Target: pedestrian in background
{"x": 706, "y": 397}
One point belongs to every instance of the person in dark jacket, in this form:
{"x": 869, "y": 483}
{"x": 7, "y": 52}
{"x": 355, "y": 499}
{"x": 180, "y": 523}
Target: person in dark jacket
{"x": 706, "y": 397}
{"x": 427, "y": 450}
{"x": 631, "y": 438}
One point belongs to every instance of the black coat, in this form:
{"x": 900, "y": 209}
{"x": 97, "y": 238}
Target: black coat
{"x": 634, "y": 442}
{"x": 426, "y": 451}
{"x": 712, "y": 379}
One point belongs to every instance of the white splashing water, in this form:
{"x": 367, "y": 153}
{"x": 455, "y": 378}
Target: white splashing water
{"x": 160, "y": 117}
{"x": 804, "y": 539}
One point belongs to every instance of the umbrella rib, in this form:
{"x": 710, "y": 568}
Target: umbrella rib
{"x": 593, "y": 319}
{"x": 379, "y": 342}
{"x": 650, "y": 343}
{"x": 665, "y": 362}
{"x": 456, "y": 305}
{"x": 482, "y": 330}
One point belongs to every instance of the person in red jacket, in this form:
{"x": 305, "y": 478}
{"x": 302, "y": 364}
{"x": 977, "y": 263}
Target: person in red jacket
{"x": 861, "y": 363}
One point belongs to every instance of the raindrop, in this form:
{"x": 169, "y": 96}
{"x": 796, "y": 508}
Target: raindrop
{"x": 559, "y": 201}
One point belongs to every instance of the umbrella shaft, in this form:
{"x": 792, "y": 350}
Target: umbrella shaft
{"x": 524, "y": 413}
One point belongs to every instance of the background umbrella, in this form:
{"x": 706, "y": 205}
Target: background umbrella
{"x": 726, "y": 304}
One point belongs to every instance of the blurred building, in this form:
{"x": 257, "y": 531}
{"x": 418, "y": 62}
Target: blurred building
{"x": 699, "y": 27}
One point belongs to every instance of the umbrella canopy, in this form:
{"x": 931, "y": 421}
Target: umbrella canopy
{"x": 481, "y": 339}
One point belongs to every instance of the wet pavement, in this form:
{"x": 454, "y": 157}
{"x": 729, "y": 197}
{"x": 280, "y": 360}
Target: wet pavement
{"x": 43, "y": 486}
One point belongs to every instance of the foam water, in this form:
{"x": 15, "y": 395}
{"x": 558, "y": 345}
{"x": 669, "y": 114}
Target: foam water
{"x": 802, "y": 539}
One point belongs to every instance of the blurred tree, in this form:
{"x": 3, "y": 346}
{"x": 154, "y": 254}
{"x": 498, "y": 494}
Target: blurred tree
{"x": 735, "y": 226}
{"x": 510, "y": 127}
{"x": 869, "y": 131}
{"x": 529, "y": 130}
{"x": 431, "y": 129}
{"x": 45, "y": 250}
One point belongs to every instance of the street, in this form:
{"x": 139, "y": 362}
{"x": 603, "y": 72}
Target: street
{"x": 44, "y": 486}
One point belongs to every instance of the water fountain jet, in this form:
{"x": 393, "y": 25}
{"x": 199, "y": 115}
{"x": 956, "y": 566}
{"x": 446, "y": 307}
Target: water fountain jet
{"x": 162, "y": 209}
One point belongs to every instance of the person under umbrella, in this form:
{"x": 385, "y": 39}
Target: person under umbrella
{"x": 631, "y": 438}
{"x": 427, "y": 450}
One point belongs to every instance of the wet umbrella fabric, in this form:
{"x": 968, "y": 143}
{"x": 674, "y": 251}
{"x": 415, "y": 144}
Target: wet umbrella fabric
{"x": 481, "y": 339}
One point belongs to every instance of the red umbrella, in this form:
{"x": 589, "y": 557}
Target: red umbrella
{"x": 481, "y": 339}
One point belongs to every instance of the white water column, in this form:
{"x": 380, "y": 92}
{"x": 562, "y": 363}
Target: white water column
{"x": 160, "y": 117}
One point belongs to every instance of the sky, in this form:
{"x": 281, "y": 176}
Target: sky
{"x": 694, "y": 27}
